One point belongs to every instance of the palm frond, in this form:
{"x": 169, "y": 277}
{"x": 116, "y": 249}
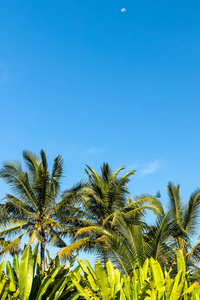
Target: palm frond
{"x": 32, "y": 162}
{"x": 194, "y": 253}
{"x": 117, "y": 172}
{"x": 19, "y": 182}
{"x": 191, "y": 213}
{"x": 147, "y": 199}
{"x": 17, "y": 209}
{"x": 55, "y": 239}
{"x": 13, "y": 230}
{"x": 159, "y": 242}
{"x": 33, "y": 237}
{"x": 12, "y": 246}
{"x": 176, "y": 205}
{"x": 13, "y": 249}
{"x": 128, "y": 247}
{"x": 93, "y": 176}
{"x": 89, "y": 231}
{"x": 57, "y": 172}
{"x": 67, "y": 252}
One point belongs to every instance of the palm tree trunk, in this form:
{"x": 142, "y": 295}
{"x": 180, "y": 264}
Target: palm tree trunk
{"x": 105, "y": 258}
{"x": 42, "y": 253}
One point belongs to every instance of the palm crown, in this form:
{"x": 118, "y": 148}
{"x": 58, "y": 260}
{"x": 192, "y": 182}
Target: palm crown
{"x": 105, "y": 201}
{"x": 174, "y": 230}
{"x": 103, "y": 196}
{"x": 33, "y": 209}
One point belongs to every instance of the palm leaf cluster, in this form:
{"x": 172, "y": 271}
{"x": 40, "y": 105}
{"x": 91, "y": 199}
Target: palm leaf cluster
{"x": 34, "y": 208}
{"x": 174, "y": 230}
{"x": 103, "y": 196}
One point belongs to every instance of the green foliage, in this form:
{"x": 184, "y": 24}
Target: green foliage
{"x": 20, "y": 282}
{"x": 33, "y": 209}
{"x": 103, "y": 196}
{"x": 25, "y": 274}
{"x": 132, "y": 240}
{"x": 100, "y": 217}
{"x": 105, "y": 201}
{"x": 59, "y": 283}
{"x": 186, "y": 218}
{"x": 147, "y": 282}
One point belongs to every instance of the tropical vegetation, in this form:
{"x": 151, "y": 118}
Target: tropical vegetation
{"x": 26, "y": 280}
{"x": 105, "y": 200}
{"x": 33, "y": 209}
{"x": 97, "y": 215}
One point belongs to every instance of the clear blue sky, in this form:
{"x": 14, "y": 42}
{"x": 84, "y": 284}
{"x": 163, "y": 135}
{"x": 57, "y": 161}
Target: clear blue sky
{"x": 84, "y": 80}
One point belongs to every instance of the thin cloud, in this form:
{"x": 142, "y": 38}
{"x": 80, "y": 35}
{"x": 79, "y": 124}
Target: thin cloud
{"x": 94, "y": 150}
{"x": 123, "y": 9}
{"x": 152, "y": 168}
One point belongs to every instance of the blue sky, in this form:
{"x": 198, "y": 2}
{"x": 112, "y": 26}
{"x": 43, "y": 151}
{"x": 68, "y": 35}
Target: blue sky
{"x": 84, "y": 80}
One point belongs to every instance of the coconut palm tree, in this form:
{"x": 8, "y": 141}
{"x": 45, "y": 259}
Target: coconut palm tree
{"x": 104, "y": 199}
{"x": 104, "y": 195}
{"x": 174, "y": 230}
{"x": 34, "y": 208}
{"x": 133, "y": 241}
{"x": 186, "y": 216}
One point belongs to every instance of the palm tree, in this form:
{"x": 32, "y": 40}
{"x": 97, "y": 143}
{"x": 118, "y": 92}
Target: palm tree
{"x": 33, "y": 209}
{"x": 104, "y": 195}
{"x": 174, "y": 230}
{"x": 133, "y": 241}
{"x": 104, "y": 199}
{"x": 186, "y": 216}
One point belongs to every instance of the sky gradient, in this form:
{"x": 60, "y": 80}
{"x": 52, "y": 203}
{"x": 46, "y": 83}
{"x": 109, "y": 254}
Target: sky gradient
{"x": 87, "y": 81}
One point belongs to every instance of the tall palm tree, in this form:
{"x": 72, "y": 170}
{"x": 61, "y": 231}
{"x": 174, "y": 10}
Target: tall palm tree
{"x": 176, "y": 229}
{"x": 34, "y": 208}
{"x": 104, "y": 199}
{"x": 186, "y": 216}
{"x": 104, "y": 195}
{"x": 133, "y": 241}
